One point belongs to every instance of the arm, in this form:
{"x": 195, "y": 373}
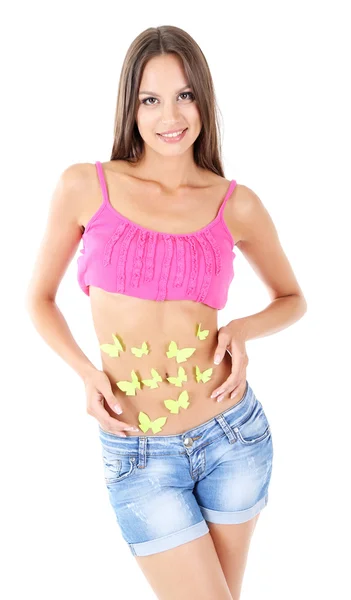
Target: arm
{"x": 260, "y": 244}
{"x": 57, "y": 249}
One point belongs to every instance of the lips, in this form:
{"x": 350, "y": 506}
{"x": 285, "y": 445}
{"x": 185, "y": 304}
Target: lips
{"x": 168, "y": 132}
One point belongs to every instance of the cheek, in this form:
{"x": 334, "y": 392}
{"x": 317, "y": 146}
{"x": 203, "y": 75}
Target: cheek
{"x": 192, "y": 115}
{"x": 146, "y": 120}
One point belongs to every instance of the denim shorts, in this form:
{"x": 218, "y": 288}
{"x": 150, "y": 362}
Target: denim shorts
{"x": 163, "y": 488}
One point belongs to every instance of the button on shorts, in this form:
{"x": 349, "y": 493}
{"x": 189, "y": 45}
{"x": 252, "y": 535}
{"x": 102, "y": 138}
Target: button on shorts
{"x": 163, "y": 489}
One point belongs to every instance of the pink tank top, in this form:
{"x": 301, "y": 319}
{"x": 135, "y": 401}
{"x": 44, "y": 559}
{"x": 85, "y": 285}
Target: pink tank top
{"x": 120, "y": 256}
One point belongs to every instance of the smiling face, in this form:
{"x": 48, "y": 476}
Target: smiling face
{"x": 167, "y": 103}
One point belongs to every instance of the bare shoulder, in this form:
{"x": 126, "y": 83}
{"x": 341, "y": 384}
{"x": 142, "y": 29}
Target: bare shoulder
{"x": 79, "y": 185}
{"x": 259, "y": 242}
{"x": 75, "y": 187}
{"x": 62, "y": 233}
{"x": 247, "y": 215}
{"x": 77, "y": 175}
{"x": 75, "y": 184}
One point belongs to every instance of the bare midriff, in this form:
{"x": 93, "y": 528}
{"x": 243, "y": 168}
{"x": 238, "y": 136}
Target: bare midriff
{"x": 134, "y": 321}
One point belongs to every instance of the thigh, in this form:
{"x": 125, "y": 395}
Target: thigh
{"x": 232, "y": 543}
{"x": 191, "y": 570}
{"x": 234, "y": 489}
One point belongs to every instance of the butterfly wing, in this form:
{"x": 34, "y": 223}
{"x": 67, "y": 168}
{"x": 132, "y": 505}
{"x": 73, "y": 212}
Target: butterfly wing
{"x": 156, "y": 375}
{"x": 144, "y": 421}
{"x": 173, "y": 380}
{"x": 177, "y": 381}
{"x": 127, "y": 387}
{"x": 149, "y": 383}
{"x": 206, "y": 375}
{"x": 198, "y": 374}
{"x": 137, "y": 351}
{"x": 145, "y": 348}
{"x": 184, "y": 354}
{"x": 140, "y": 351}
{"x": 172, "y": 349}
{"x": 202, "y": 335}
{"x": 135, "y": 380}
{"x": 182, "y": 375}
{"x": 110, "y": 349}
{"x": 117, "y": 343}
{"x": 183, "y": 399}
{"x": 157, "y": 424}
{"x": 172, "y": 406}
{"x": 153, "y": 383}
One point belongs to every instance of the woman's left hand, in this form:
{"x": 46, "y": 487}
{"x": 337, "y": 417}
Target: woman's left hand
{"x": 231, "y": 337}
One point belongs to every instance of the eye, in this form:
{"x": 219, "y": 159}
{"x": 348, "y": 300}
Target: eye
{"x": 187, "y": 94}
{"x": 145, "y": 101}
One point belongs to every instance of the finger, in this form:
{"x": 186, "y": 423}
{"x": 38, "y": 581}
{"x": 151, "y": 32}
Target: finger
{"x": 223, "y": 341}
{"x": 240, "y": 360}
{"x": 239, "y": 350}
{"x": 234, "y": 392}
{"x": 236, "y": 387}
{"x": 110, "y": 398}
{"x": 101, "y": 385}
{"x": 231, "y": 385}
{"x": 110, "y": 423}
{"x": 106, "y": 390}
{"x": 224, "y": 388}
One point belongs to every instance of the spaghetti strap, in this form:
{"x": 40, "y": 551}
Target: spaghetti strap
{"x": 100, "y": 172}
{"x": 228, "y": 194}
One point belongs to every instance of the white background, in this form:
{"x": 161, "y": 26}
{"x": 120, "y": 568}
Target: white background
{"x": 281, "y": 73}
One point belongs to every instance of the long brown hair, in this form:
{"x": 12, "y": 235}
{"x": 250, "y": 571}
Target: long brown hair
{"x": 128, "y": 144}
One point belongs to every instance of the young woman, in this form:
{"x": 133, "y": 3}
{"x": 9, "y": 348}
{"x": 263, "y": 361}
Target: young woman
{"x": 186, "y": 445}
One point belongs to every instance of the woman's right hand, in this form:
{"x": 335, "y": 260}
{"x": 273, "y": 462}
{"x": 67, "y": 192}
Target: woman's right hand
{"x": 98, "y": 388}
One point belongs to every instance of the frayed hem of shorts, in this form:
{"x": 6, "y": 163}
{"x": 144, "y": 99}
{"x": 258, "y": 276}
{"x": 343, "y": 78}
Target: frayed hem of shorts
{"x": 169, "y": 541}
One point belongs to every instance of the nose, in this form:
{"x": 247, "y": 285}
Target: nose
{"x": 170, "y": 114}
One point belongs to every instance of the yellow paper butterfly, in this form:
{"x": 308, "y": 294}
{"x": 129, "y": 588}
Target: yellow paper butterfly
{"x": 204, "y": 376}
{"x": 129, "y": 387}
{"x": 178, "y": 380}
{"x": 112, "y": 349}
{"x": 181, "y": 355}
{"x": 175, "y": 405}
{"x": 202, "y": 335}
{"x": 152, "y": 383}
{"x": 145, "y": 423}
{"x": 140, "y": 351}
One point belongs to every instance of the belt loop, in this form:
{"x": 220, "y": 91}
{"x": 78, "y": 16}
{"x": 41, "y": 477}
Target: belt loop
{"x": 142, "y": 452}
{"x": 232, "y": 437}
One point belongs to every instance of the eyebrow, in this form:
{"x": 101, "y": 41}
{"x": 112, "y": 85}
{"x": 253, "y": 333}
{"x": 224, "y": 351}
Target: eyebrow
{"x": 154, "y": 94}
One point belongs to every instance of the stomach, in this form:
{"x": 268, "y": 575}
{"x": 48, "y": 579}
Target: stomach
{"x": 160, "y": 393}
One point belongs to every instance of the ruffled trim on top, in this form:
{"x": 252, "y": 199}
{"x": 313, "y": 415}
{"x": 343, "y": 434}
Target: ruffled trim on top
{"x": 123, "y": 256}
{"x": 162, "y": 288}
{"x": 111, "y": 242}
{"x": 138, "y": 258}
{"x": 178, "y": 280}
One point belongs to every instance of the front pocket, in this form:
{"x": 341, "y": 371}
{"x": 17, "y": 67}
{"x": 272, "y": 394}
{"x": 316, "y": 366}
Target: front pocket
{"x": 117, "y": 466}
{"x": 255, "y": 428}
